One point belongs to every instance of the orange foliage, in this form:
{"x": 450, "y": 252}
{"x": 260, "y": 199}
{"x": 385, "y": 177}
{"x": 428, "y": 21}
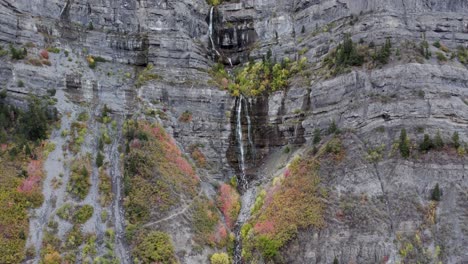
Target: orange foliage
{"x": 265, "y": 227}
{"x": 293, "y": 204}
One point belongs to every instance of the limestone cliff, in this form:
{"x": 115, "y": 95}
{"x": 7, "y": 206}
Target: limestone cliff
{"x": 153, "y": 60}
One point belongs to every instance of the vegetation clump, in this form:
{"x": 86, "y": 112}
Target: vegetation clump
{"x": 83, "y": 214}
{"x": 18, "y": 54}
{"x": 146, "y": 75}
{"x": 404, "y": 144}
{"x": 155, "y": 247}
{"x": 346, "y": 55}
{"x": 156, "y": 174}
{"x": 229, "y": 204}
{"x": 21, "y": 172}
{"x": 207, "y": 224}
{"x": 258, "y": 78}
{"x": 220, "y": 258}
{"x": 80, "y": 180}
{"x": 291, "y": 203}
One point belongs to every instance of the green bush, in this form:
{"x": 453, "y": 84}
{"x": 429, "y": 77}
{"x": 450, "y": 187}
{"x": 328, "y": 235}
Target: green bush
{"x": 441, "y": 56}
{"x": 268, "y": 247}
{"x": 83, "y": 214}
{"x": 220, "y": 258}
{"x": 34, "y": 122}
{"x": 79, "y": 182}
{"x": 18, "y": 54}
{"x": 155, "y": 247}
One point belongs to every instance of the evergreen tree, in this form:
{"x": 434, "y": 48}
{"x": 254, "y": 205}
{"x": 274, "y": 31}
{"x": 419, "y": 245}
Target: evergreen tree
{"x": 456, "y": 140}
{"x": 404, "y": 145}
{"x": 333, "y": 128}
{"x": 427, "y": 144}
{"x": 438, "y": 142}
{"x": 317, "y": 136}
{"x": 435, "y": 196}
{"x": 335, "y": 261}
{"x": 34, "y": 121}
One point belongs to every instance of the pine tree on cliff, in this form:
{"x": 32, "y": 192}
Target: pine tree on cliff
{"x": 435, "y": 196}
{"x": 438, "y": 142}
{"x": 404, "y": 144}
{"x": 335, "y": 261}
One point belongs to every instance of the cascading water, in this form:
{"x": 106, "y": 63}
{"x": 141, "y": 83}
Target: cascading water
{"x": 247, "y": 194}
{"x": 240, "y": 143}
{"x": 210, "y": 31}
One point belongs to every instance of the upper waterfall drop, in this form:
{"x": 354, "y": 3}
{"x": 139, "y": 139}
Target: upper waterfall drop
{"x": 210, "y": 31}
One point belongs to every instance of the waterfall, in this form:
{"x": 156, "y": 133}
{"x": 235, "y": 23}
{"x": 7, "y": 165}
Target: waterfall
{"x": 240, "y": 143}
{"x": 249, "y": 130}
{"x": 210, "y": 31}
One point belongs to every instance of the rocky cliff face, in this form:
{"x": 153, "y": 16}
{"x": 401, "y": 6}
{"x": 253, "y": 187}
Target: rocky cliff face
{"x": 375, "y": 208}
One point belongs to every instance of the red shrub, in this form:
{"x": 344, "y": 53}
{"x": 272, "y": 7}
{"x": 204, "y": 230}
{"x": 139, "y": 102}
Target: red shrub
{"x": 34, "y": 177}
{"x": 44, "y": 54}
{"x": 229, "y": 204}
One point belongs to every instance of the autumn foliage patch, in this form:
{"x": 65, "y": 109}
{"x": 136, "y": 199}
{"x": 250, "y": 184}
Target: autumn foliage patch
{"x": 292, "y": 202}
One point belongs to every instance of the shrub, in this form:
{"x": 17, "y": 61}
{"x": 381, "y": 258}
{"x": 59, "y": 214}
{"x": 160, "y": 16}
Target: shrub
{"x": 155, "y": 247}
{"x": 404, "y": 144}
{"x": 334, "y": 146}
{"x": 384, "y": 53}
{"x": 44, "y": 54}
{"x": 79, "y": 181}
{"x": 186, "y": 117}
{"x": 317, "y": 136}
{"x": 90, "y": 26}
{"x": 20, "y": 83}
{"x": 462, "y": 54}
{"x": 220, "y": 258}
{"x": 438, "y": 142}
{"x": 3, "y": 94}
{"x": 146, "y": 75}
{"x": 441, "y": 56}
{"x": 333, "y": 128}
{"x": 99, "y": 159}
{"x": 105, "y": 188}
{"x": 424, "y": 49}
{"x": 53, "y": 50}
{"x": 65, "y": 211}
{"x": 205, "y": 218}
{"x": 456, "y": 140}
{"x": 435, "y": 194}
{"x": 426, "y": 144}
{"x": 83, "y": 214}
{"x": 344, "y": 56}
{"x": 18, "y": 54}
{"x": 91, "y": 61}
{"x": 83, "y": 116}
